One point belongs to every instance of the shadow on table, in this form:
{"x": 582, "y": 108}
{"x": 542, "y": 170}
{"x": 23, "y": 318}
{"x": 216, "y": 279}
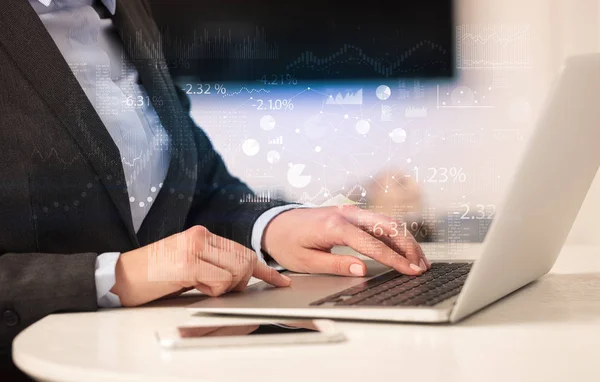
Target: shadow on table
{"x": 181, "y": 301}
{"x": 553, "y": 298}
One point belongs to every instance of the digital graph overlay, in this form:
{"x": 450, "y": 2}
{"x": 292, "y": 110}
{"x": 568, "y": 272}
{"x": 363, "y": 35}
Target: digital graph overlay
{"x": 338, "y": 143}
{"x": 353, "y": 55}
{"x": 493, "y": 47}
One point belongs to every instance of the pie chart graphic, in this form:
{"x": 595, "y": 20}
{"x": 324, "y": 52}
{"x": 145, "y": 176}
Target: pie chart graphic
{"x": 250, "y": 147}
{"x": 267, "y": 122}
{"x": 273, "y": 157}
{"x": 383, "y": 92}
{"x": 295, "y": 177}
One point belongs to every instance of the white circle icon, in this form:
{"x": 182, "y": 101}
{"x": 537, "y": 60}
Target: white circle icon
{"x": 363, "y": 126}
{"x": 273, "y": 157}
{"x": 383, "y": 92}
{"x": 267, "y": 122}
{"x": 398, "y": 135}
{"x": 295, "y": 177}
{"x": 250, "y": 147}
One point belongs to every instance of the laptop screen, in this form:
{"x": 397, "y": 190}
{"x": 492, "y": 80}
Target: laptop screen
{"x": 242, "y": 40}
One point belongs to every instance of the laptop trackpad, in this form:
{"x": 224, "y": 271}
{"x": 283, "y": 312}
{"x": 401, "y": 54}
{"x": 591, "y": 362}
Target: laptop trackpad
{"x": 305, "y": 289}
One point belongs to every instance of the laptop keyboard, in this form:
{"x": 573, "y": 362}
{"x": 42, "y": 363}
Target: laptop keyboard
{"x": 441, "y": 282}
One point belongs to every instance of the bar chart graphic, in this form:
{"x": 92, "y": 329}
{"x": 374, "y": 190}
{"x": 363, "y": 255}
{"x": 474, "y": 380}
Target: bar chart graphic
{"x": 260, "y": 197}
{"x": 206, "y": 44}
{"x": 276, "y": 141}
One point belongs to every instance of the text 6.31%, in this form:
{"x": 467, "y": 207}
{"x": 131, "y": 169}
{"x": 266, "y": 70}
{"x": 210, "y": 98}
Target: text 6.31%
{"x": 393, "y": 229}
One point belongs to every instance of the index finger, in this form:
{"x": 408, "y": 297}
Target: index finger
{"x": 261, "y": 270}
{"x": 270, "y": 275}
{"x": 363, "y": 243}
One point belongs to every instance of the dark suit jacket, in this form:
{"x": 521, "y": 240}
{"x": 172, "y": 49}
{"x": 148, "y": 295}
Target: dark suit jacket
{"x": 63, "y": 198}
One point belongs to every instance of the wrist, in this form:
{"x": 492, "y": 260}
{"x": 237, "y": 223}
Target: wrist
{"x": 125, "y": 280}
{"x": 132, "y": 282}
{"x": 279, "y": 231}
{"x": 270, "y": 233}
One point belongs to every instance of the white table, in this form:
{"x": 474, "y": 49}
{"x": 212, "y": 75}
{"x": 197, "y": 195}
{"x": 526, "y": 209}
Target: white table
{"x": 550, "y": 331}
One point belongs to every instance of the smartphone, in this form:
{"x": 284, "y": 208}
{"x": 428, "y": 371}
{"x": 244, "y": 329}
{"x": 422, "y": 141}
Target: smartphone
{"x": 256, "y": 333}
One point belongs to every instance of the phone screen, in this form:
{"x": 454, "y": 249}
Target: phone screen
{"x": 248, "y": 330}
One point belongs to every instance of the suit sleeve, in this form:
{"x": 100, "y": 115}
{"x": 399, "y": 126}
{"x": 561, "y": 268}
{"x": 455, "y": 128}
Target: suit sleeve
{"x": 218, "y": 201}
{"x": 34, "y": 285}
{"x": 218, "y": 198}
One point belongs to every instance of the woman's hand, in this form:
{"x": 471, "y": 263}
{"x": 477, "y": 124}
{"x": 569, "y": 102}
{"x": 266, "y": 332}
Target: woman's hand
{"x": 194, "y": 258}
{"x": 300, "y": 240}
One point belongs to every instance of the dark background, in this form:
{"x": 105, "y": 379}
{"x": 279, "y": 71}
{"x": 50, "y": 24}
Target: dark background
{"x": 246, "y": 40}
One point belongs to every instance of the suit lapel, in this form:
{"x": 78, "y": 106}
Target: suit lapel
{"x": 142, "y": 43}
{"x": 31, "y": 47}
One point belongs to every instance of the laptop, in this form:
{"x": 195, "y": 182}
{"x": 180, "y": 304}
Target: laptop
{"x": 522, "y": 244}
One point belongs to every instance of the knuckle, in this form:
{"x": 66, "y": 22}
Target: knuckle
{"x": 333, "y": 223}
{"x": 368, "y": 243}
{"x": 198, "y": 230}
{"x": 244, "y": 259}
{"x": 338, "y": 265}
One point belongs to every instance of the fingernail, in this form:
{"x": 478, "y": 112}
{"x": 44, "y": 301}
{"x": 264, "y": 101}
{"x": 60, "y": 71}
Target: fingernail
{"x": 422, "y": 265}
{"x": 416, "y": 268}
{"x": 357, "y": 270}
{"x": 286, "y": 278}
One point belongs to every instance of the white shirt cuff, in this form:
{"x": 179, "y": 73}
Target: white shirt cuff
{"x": 261, "y": 223}
{"x": 105, "y": 280}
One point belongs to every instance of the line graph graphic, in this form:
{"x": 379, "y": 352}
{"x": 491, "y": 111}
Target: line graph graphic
{"x": 53, "y": 155}
{"x": 131, "y": 162}
{"x": 356, "y": 194}
{"x": 351, "y": 53}
{"x": 493, "y": 46}
{"x": 245, "y": 90}
{"x": 357, "y": 191}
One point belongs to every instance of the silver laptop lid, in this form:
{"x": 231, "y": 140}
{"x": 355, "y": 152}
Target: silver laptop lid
{"x": 546, "y": 192}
